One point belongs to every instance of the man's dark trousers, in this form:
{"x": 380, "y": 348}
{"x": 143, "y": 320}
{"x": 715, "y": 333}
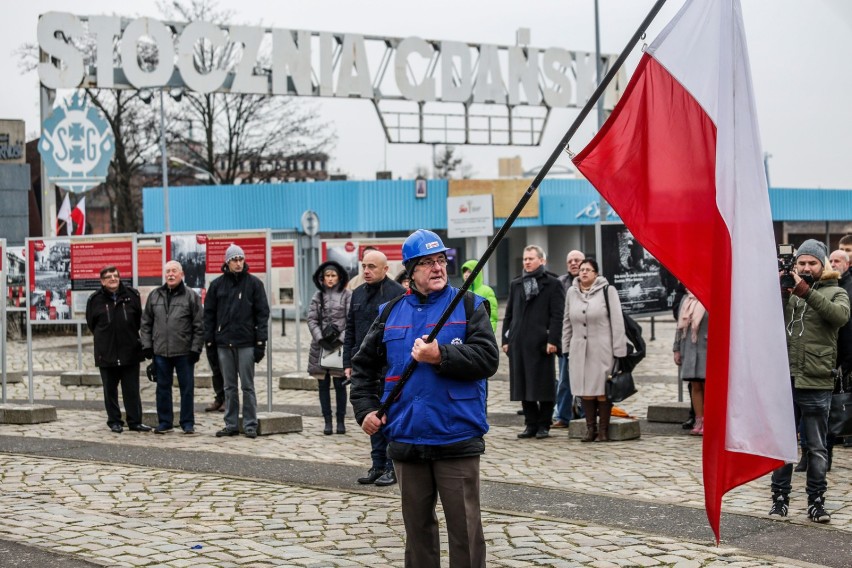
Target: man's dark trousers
{"x": 166, "y": 366}
{"x": 814, "y": 405}
{"x": 128, "y": 377}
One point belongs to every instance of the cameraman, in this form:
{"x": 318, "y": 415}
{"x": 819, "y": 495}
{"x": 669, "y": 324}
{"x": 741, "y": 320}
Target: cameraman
{"x": 814, "y": 309}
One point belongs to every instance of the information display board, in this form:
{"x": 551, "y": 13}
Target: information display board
{"x": 63, "y": 272}
{"x": 202, "y": 255}
{"x": 283, "y": 274}
{"x": 644, "y": 286}
{"x": 149, "y": 264}
{"x": 16, "y": 277}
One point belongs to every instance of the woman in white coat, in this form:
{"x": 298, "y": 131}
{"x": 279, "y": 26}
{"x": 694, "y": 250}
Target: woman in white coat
{"x": 592, "y": 338}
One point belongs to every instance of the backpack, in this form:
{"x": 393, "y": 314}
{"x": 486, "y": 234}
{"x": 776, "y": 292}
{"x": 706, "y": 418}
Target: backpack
{"x": 635, "y": 343}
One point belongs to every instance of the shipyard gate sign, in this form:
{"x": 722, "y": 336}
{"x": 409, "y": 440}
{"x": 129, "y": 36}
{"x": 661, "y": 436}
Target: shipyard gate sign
{"x": 442, "y": 82}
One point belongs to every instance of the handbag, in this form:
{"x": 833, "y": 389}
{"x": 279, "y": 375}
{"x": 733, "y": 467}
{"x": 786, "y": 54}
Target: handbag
{"x": 332, "y": 359}
{"x": 330, "y": 332}
{"x": 840, "y": 415}
{"x": 619, "y": 384}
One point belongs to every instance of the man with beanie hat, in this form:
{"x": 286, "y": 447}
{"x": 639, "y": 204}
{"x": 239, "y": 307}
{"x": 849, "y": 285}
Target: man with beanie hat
{"x": 236, "y": 321}
{"x": 815, "y": 308}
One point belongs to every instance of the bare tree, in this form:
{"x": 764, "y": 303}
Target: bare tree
{"x": 243, "y": 137}
{"x": 447, "y": 163}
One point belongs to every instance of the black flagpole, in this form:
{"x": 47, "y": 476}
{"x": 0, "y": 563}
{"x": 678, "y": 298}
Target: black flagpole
{"x": 545, "y": 169}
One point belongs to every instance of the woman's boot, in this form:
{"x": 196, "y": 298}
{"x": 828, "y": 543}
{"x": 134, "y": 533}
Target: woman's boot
{"x": 605, "y": 408}
{"x": 325, "y": 402}
{"x": 590, "y": 407}
{"x": 340, "y": 399}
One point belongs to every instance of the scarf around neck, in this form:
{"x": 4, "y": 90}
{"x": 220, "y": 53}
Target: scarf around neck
{"x": 691, "y": 314}
{"x": 531, "y": 282}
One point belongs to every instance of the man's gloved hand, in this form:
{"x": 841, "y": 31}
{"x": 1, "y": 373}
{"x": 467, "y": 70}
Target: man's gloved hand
{"x": 194, "y": 356}
{"x": 259, "y": 351}
{"x": 148, "y": 352}
{"x": 802, "y": 288}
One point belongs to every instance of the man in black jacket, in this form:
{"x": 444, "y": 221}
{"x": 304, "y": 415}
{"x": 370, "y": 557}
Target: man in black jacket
{"x": 532, "y": 334}
{"x": 236, "y": 320}
{"x": 113, "y": 314}
{"x": 363, "y": 310}
{"x": 173, "y": 335}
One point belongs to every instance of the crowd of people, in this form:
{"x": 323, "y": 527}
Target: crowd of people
{"x": 429, "y": 436}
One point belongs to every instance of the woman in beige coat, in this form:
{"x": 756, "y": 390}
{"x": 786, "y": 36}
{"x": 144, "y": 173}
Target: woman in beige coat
{"x": 592, "y": 339}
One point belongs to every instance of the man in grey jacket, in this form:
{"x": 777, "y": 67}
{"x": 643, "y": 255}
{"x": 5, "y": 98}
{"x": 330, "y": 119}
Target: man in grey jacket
{"x": 173, "y": 335}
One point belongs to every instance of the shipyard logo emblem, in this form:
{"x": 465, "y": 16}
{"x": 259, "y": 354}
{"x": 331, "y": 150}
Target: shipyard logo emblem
{"x": 77, "y": 145}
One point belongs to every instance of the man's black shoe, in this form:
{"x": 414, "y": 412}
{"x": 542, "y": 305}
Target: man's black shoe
{"x": 389, "y": 478}
{"x": 141, "y": 428}
{"x": 215, "y": 406}
{"x": 251, "y": 433}
{"x": 542, "y": 433}
{"x": 159, "y": 430}
{"x": 226, "y": 432}
{"x": 521, "y": 412}
{"x": 689, "y": 424}
{"x": 116, "y": 428}
{"x": 372, "y": 476}
{"x": 189, "y": 430}
{"x": 529, "y": 432}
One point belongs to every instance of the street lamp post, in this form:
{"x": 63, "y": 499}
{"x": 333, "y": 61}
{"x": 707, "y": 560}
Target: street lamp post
{"x": 165, "y": 165}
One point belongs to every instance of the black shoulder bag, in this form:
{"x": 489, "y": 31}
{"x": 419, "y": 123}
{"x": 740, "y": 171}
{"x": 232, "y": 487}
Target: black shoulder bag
{"x": 619, "y": 382}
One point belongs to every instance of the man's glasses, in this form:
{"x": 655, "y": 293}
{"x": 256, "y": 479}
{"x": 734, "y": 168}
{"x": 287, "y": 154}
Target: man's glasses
{"x": 587, "y": 270}
{"x": 111, "y": 277}
{"x": 431, "y": 262}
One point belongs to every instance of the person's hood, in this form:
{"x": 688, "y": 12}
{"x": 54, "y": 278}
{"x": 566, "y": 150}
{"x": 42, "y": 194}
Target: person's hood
{"x": 317, "y": 277}
{"x": 469, "y": 265}
{"x": 829, "y": 274}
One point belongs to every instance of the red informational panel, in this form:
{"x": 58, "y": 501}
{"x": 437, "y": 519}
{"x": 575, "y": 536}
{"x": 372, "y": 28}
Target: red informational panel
{"x": 283, "y": 274}
{"x": 90, "y": 254}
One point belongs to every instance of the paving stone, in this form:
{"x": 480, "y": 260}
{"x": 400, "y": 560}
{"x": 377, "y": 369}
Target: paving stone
{"x": 297, "y": 381}
{"x": 27, "y": 413}
{"x": 673, "y": 412}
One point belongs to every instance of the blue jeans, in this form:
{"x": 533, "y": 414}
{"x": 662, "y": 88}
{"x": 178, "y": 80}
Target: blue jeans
{"x": 166, "y": 366}
{"x": 237, "y": 362}
{"x": 564, "y": 398}
{"x": 814, "y": 406}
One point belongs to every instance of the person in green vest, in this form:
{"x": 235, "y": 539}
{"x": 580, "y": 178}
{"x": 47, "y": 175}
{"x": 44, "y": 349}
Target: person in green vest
{"x": 483, "y": 290}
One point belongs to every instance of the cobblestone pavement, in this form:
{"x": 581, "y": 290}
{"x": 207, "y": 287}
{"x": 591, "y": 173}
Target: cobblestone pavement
{"x": 129, "y": 516}
{"x": 139, "y": 516}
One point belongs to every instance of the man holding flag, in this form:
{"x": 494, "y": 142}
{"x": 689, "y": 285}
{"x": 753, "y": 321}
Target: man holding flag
{"x": 680, "y": 161}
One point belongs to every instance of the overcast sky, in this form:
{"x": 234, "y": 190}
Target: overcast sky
{"x": 800, "y": 53}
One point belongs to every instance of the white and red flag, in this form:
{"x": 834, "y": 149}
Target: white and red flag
{"x": 680, "y": 160}
{"x": 78, "y": 215}
{"x": 64, "y": 214}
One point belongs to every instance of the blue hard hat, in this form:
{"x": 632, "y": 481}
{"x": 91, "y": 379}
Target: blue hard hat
{"x": 421, "y": 243}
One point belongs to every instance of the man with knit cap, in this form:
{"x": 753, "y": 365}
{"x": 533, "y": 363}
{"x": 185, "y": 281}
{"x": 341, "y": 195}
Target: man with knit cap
{"x": 815, "y": 308}
{"x": 236, "y": 321}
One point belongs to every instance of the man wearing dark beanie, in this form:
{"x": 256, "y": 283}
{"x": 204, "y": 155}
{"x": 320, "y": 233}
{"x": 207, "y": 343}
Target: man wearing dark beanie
{"x": 236, "y": 321}
{"x": 814, "y": 310}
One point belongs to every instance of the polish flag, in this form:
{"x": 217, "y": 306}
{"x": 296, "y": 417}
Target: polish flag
{"x": 64, "y": 215}
{"x": 78, "y": 215}
{"x": 680, "y": 160}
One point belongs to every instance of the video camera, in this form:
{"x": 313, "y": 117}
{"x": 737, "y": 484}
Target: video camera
{"x": 786, "y": 261}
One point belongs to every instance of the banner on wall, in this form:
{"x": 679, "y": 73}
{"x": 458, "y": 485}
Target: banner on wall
{"x": 16, "y": 276}
{"x": 348, "y": 253}
{"x": 283, "y": 274}
{"x": 202, "y": 255}
{"x": 644, "y": 286}
{"x": 63, "y": 272}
